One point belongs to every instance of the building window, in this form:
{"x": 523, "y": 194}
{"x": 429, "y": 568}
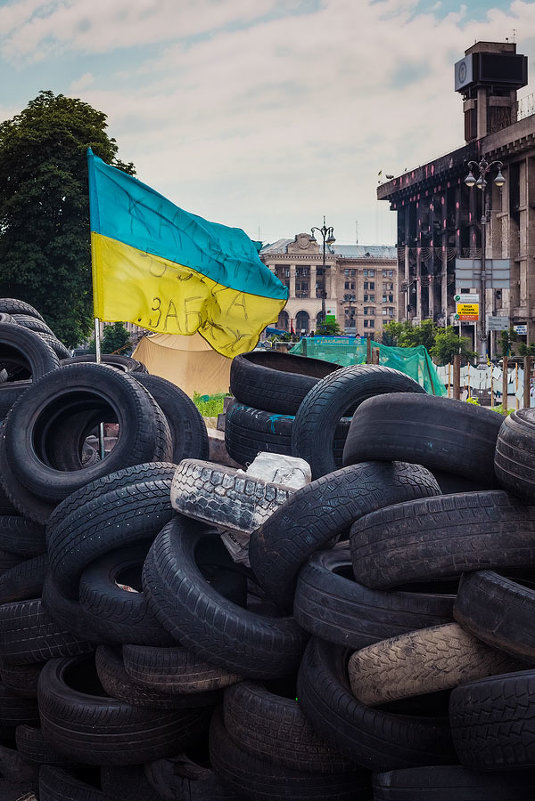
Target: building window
{"x": 369, "y": 310}
{"x": 302, "y": 289}
{"x": 369, "y": 298}
{"x": 388, "y": 286}
{"x": 352, "y": 273}
{"x": 369, "y": 273}
{"x": 388, "y": 299}
{"x": 302, "y": 272}
{"x": 388, "y": 273}
{"x": 388, "y": 312}
{"x": 349, "y": 285}
{"x": 369, "y": 284}
{"x": 369, "y": 324}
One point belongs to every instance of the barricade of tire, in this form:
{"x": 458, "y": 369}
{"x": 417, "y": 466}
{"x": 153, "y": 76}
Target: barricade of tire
{"x": 381, "y": 625}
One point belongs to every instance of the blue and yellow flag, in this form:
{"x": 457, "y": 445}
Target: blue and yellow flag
{"x": 170, "y": 271}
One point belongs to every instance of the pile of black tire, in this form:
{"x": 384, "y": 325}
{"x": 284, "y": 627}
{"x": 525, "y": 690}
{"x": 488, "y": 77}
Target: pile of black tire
{"x": 379, "y": 647}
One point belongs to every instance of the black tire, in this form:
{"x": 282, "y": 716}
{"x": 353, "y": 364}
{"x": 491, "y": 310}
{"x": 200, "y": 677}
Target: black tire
{"x": 81, "y": 722}
{"x": 421, "y": 662}
{"x": 21, "y": 536}
{"x": 264, "y": 780}
{"x": 440, "y": 433}
{"x": 24, "y": 354}
{"x": 276, "y": 382}
{"x": 35, "y": 423}
{"x": 127, "y": 784}
{"x": 514, "y": 459}
{"x": 25, "y": 502}
{"x": 24, "y": 581}
{"x": 444, "y": 536}
{"x": 498, "y": 610}
{"x": 224, "y": 497}
{"x": 264, "y": 722}
{"x": 10, "y": 391}
{"x": 183, "y": 779}
{"x": 333, "y": 607}
{"x": 118, "y": 684}
{"x": 32, "y": 745}
{"x": 492, "y": 722}
{"x": 61, "y": 351}
{"x": 450, "y": 483}
{"x": 323, "y": 511}
{"x": 374, "y": 738}
{"x": 127, "y": 476}
{"x": 121, "y": 517}
{"x": 189, "y": 435}
{"x": 15, "y": 711}
{"x": 67, "y": 612}
{"x": 332, "y": 398}
{"x": 174, "y": 670}
{"x": 249, "y": 431}
{"x": 21, "y": 679}
{"x": 69, "y": 784}
{"x": 203, "y": 620}
{"x": 31, "y": 322}
{"x": 28, "y": 634}
{"x": 6, "y": 318}
{"x": 124, "y": 364}
{"x": 444, "y": 783}
{"x": 15, "y": 306}
{"x": 118, "y": 614}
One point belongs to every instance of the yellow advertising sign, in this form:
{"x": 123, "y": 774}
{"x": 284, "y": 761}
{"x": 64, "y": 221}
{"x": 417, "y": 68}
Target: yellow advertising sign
{"x": 468, "y": 308}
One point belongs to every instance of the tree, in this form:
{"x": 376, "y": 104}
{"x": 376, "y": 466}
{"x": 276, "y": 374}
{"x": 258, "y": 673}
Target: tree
{"x": 448, "y": 344}
{"x": 115, "y": 339}
{"x": 393, "y": 332}
{"x": 506, "y": 340}
{"x": 45, "y": 252}
{"x": 328, "y": 328}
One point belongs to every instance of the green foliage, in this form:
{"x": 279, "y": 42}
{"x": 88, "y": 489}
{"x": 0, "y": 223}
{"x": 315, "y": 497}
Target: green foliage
{"x": 501, "y": 410}
{"x": 392, "y": 333}
{"x": 45, "y": 253}
{"x": 328, "y": 328}
{"x": 115, "y": 339}
{"x": 526, "y": 350}
{"x": 447, "y": 344}
{"x": 505, "y": 342}
{"x": 406, "y": 335}
{"x": 209, "y": 405}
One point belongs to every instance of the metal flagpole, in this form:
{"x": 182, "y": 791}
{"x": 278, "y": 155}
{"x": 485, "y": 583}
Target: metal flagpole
{"x": 98, "y": 360}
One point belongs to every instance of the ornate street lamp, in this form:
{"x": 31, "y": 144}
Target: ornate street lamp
{"x": 328, "y": 239}
{"x": 477, "y": 176}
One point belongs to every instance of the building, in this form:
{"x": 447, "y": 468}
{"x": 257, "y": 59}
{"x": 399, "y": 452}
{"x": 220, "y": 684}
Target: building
{"x": 441, "y": 219}
{"x": 359, "y": 281}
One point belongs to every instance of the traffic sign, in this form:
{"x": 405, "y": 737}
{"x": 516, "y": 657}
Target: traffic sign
{"x": 496, "y": 323}
{"x": 468, "y": 311}
{"x": 466, "y": 297}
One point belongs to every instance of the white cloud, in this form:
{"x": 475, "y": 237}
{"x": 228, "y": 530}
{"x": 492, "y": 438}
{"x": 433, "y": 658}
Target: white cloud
{"x": 81, "y": 83}
{"x": 273, "y": 122}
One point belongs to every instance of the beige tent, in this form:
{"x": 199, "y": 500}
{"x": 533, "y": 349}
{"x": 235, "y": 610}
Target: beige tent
{"x": 189, "y": 362}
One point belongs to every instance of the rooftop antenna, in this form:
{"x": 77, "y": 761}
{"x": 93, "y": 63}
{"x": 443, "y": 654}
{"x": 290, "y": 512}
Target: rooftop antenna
{"x": 356, "y": 232}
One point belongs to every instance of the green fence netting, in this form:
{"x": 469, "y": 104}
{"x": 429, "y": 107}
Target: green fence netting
{"x": 415, "y": 362}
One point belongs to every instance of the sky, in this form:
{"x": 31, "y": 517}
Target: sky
{"x": 267, "y": 115}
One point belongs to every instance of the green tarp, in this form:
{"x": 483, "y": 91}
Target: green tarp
{"x": 415, "y": 362}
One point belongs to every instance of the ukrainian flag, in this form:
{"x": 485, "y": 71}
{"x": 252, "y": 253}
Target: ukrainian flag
{"x": 173, "y": 272}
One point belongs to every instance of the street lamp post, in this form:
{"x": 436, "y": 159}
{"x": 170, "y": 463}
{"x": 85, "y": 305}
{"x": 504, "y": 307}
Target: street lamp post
{"x": 328, "y": 239}
{"x": 482, "y": 169}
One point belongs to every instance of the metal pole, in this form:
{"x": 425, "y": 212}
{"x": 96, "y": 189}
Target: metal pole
{"x": 482, "y": 349}
{"x": 101, "y": 449}
{"x": 324, "y": 290}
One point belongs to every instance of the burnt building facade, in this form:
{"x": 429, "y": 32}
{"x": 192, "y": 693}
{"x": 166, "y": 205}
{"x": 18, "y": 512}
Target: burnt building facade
{"x": 440, "y": 218}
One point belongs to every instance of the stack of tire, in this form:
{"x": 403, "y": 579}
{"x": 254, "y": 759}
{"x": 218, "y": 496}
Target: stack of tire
{"x": 381, "y": 625}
